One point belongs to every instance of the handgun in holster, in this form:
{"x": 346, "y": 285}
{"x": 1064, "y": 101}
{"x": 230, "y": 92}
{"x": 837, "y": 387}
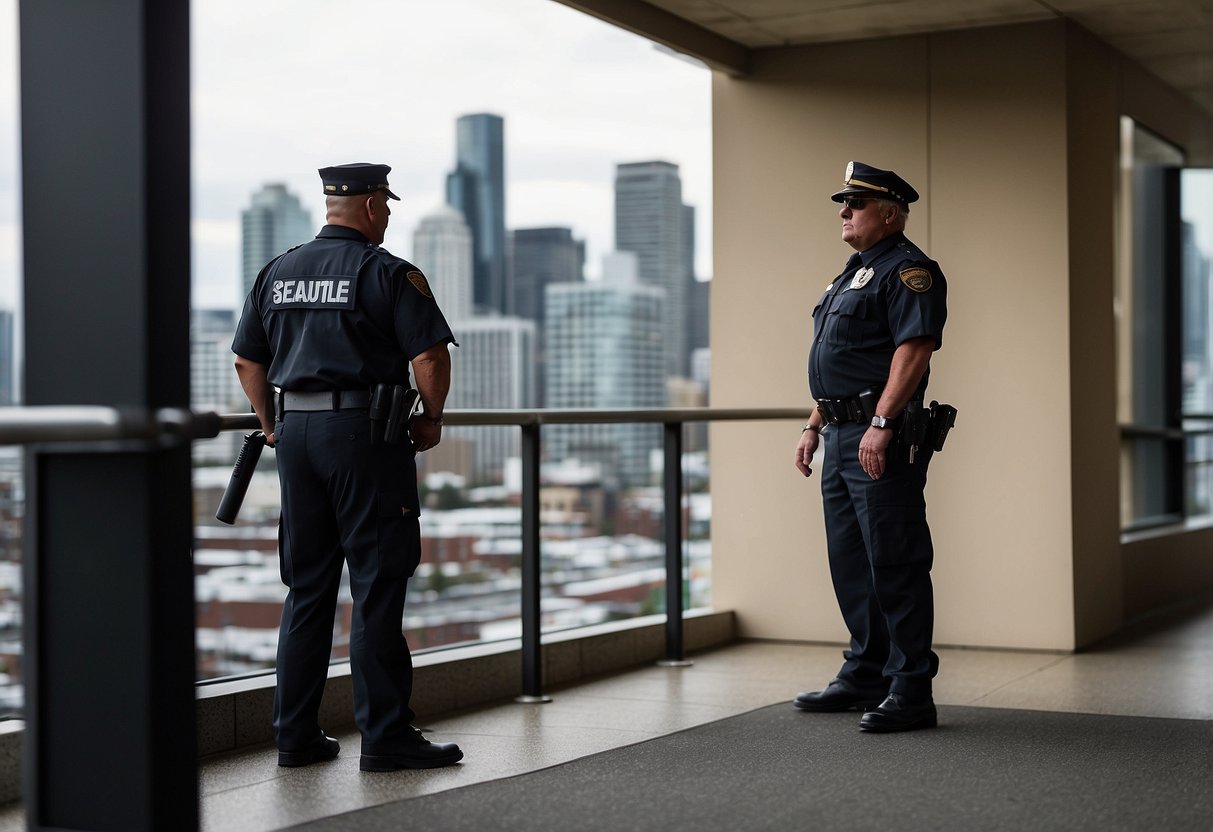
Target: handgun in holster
{"x": 943, "y": 419}
{"x": 393, "y": 407}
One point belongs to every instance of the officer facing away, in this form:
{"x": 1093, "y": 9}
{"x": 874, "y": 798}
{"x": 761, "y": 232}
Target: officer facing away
{"x": 874, "y": 331}
{"x": 326, "y": 324}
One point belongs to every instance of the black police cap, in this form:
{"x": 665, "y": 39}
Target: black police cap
{"x": 356, "y": 179}
{"x": 866, "y": 180}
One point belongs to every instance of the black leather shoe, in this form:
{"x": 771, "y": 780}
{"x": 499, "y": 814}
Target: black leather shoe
{"x": 897, "y": 713}
{"x": 419, "y": 753}
{"x": 837, "y": 696}
{"x": 323, "y": 748}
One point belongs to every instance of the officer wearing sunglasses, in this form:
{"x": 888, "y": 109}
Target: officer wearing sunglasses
{"x": 874, "y": 330}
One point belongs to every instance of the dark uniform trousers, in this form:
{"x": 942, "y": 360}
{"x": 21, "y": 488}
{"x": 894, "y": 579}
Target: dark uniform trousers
{"x": 345, "y": 497}
{"x": 880, "y": 561}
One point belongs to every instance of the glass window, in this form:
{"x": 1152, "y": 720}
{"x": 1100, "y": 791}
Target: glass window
{"x": 517, "y": 183}
{"x": 1165, "y": 325}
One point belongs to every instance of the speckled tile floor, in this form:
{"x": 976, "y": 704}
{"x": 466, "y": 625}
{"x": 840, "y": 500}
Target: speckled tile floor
{"x": 1162, "y": 666}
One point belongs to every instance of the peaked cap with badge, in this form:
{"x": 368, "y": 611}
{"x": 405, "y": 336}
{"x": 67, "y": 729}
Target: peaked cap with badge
{"x": 356, "y": 179}
{"x": 865, "y": 180}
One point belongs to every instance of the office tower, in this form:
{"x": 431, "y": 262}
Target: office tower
{"x": 604, "y": 350}
{"x": 699, "y": 314}
{"x": 8, "y": 358}
{"x": 273, "y": 222}
{"x": 213, "y": 382}
{"x": 539, "y": 257}
{"x": 651, "y": 221}
{"x": 493, "y": 368}
{"x": 476, "y": 188}
{"x": 442, "y": 248}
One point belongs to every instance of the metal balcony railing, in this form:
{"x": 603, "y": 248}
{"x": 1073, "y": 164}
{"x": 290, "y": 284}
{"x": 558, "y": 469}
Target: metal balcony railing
{"x": 31, "y": 425}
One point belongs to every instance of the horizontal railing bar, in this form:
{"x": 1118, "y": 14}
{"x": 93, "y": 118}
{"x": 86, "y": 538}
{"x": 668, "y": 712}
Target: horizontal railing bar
{"x": 594, "y": 416}
{"x": 95, "y": 423}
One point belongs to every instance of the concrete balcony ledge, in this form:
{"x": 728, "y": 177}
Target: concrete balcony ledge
{"x": 234, "y": 713}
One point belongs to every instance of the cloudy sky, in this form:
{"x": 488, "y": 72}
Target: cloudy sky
{"x": 283, "y": 87}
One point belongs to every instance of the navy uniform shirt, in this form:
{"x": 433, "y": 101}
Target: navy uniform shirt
{"x": 863, "y": 317}
{"x": 339, "y": 313}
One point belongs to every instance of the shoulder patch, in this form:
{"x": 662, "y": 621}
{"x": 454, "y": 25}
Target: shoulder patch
{"x": 420, "y": 284}
{"x": 916, "y": 280}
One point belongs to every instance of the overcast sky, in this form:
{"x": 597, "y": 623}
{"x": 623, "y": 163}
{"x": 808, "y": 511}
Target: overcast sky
{"x": 283, "y": 87}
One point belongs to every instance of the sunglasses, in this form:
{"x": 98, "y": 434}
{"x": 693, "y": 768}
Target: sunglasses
{"x": 857, "y": 203}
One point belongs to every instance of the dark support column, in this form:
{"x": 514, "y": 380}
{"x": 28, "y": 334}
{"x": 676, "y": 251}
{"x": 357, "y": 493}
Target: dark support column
{"x": 672, "y": 521}
{"x": 109, "y": 586}
{"x": 532, "y": 585}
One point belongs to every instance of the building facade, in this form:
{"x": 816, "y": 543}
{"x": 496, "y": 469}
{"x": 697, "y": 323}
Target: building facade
{"x": 652, "y": 222}
{"x": 274, "y": 221}
{"x": 493, "y": 368}
{"x": 442, "y": 248}
{"x": 476, "y": 188}
{"x": 604, "y": 347}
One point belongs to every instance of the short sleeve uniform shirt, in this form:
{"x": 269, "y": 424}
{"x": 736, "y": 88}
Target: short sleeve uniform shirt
{"x": 339, "y": 313}
{"x": 887, "y": 295}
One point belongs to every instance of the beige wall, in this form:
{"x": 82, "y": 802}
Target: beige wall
{"x": 1011, "y": 135}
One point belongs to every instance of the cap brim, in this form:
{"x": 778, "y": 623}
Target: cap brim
{"x": 390, "y": 195}
{"x": 852, "y": 190}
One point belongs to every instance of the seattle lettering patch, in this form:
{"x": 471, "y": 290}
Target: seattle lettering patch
{"x": 313, "y": 293}
{"x": 916, "y": 280}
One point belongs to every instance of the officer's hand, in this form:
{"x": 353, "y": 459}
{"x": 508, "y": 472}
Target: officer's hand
{"x": 425, "y": 433}
{"x": 805, "y": 450}
{"x": 872, "y": 451}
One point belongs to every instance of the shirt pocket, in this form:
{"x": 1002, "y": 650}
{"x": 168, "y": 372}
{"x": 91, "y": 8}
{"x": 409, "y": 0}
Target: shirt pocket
{"x": 847, "y": 322}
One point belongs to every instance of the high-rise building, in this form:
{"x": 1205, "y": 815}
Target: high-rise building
{"x": 213, "y": 382}
{"x": 273, "y": 222}
{"x": 652, "y": 222}
{"x": 604, "y": 348}
{"x": 539, "y": 257}
{"x": 442, "y": 248}
{"x": 493, "y": 368}
{"x": 476, "y": 188}
{"x": 8, "y": 358}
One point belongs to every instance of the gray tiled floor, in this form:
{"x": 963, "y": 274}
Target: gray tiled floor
{"x": 1160, "y": 667}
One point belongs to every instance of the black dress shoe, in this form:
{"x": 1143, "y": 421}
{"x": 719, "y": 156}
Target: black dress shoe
{"x": 416, "y": 753}
{"x": 837, "y": 696}
{"x": 322, "y": 748}
{"x": 897, "y": 713}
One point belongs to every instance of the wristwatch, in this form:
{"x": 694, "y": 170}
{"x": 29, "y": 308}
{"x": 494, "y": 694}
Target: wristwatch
{"x": 881, "y": 422}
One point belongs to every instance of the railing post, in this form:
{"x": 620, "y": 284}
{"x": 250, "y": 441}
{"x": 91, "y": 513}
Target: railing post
{"x": 671, "y": 476}
{"x": 532, "y": 586}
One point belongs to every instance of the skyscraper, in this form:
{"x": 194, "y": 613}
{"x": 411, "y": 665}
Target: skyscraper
{"x": 213, "y": 382}
{"x": 273, "y": 222}
{"x": 442, "y": 248}
{"x": 494, "y": 367}
{"x": 8, "y": 362}
{"x": 651, "y": 221}
{"x": 476, "y": 188}
{"x": 604, "y": 350}
{"x": 539, "y": 257}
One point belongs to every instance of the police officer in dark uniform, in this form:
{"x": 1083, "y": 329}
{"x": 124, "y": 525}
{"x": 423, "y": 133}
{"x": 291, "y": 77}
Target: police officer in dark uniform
{"x": 325, "y": 323}
{"x": 874, "y": 331}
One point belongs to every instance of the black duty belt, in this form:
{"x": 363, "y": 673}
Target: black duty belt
{"x": 326, "y": 400}
{"x": 838, "y": 411}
